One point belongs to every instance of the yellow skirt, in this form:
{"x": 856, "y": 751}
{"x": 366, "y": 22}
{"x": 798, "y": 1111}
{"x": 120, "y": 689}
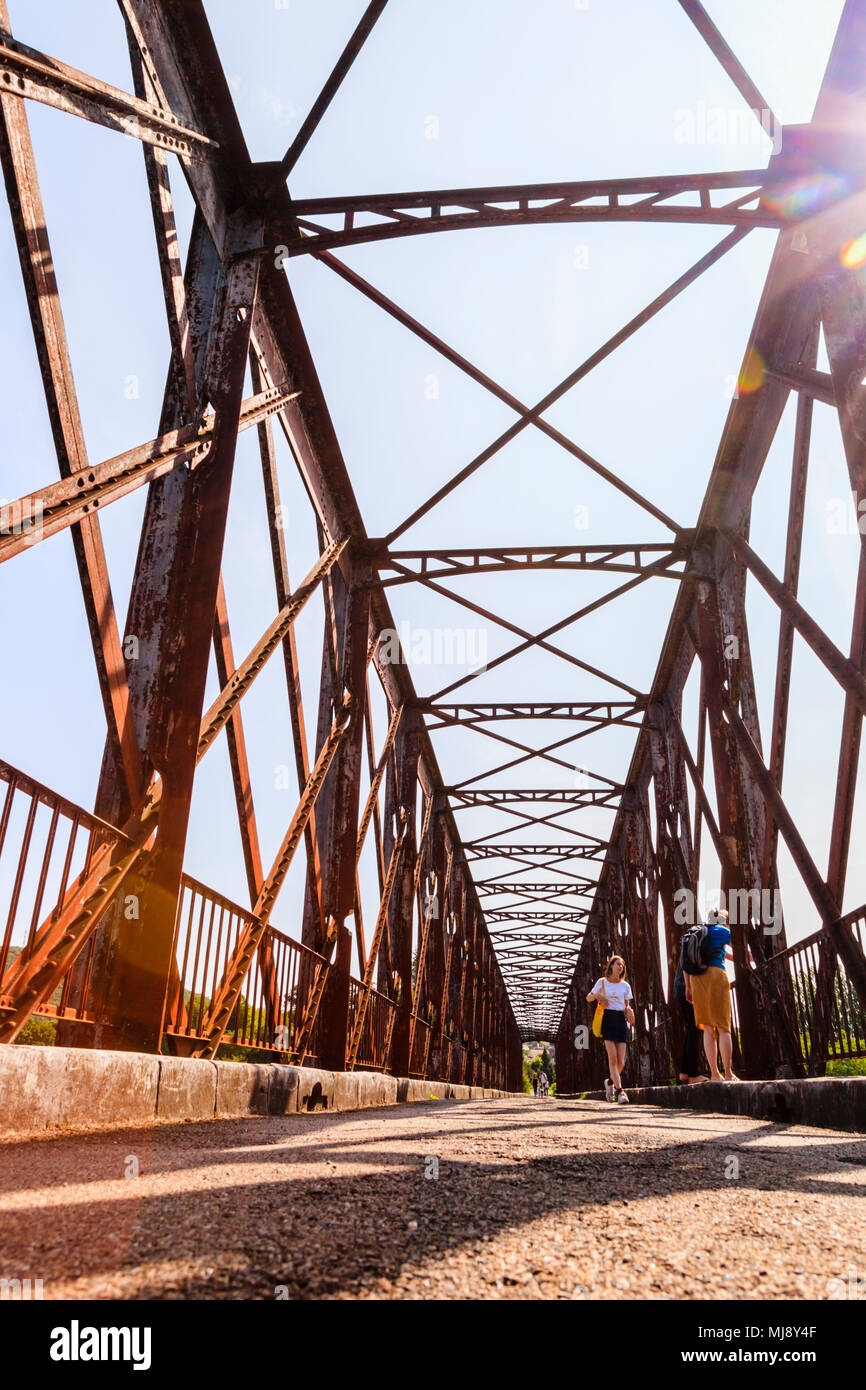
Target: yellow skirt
{"x": 711, "y": 996}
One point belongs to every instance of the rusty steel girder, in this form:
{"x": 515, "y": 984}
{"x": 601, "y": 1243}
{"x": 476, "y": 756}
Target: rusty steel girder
{"x": 776, "y": 1034}
{"x": 438, "y": 992}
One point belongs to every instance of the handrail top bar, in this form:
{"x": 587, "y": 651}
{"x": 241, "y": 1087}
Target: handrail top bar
{"x": 14, "y": 776}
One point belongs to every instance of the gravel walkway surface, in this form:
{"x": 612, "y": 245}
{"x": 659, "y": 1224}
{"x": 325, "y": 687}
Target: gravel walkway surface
{"x": 514, "y": 1199}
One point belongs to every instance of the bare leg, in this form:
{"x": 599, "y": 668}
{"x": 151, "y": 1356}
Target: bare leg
{"x": 620, "y": 1059}
{"x": 711, "y": 1048}
{"x": 726, "y": 1048}
{"x": 612, "y": 1049}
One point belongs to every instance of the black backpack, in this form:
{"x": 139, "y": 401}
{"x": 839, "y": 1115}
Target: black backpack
{"x": 693, "y": 950}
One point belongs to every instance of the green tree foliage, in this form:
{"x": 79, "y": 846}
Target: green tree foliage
{"x": 548, "y": 1067}
{"x": 543, "y": 1063}
{"x": 38, "y": 1031}
{"x": 845, "y": 1018}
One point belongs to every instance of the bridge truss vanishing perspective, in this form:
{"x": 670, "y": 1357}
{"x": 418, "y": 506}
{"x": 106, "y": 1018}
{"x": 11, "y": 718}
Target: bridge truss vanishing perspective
{"x": 105, "y": 934}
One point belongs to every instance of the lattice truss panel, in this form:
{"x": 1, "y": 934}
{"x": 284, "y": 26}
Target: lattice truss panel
{"x": 405, "y": 918}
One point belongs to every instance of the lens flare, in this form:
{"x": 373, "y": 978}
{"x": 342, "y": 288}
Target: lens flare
{"x": 752, "y": 373}
{"x": 805, "y": 195}
{"x": 854, "y": 252}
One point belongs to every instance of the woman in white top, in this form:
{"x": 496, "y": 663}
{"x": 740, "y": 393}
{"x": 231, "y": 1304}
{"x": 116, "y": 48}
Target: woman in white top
{"x": 614, "y": 994}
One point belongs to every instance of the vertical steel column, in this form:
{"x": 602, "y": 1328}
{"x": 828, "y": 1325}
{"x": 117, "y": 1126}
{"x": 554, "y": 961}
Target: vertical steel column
{"x": 742, "y": 813}
{"x": 402, "y": 907}
{"x": 334, "y": 1008}
{"x": 449, "y": 927}
{"x": 440, "y": 862}
{"x": 636, "y": 924}
{"x": 172, "y": 608}
{"x": 344, "y": 671}
{"x": 842, "y": 297}
{"x": 458, "y": 980}
{"x": 515, "y": 1054}
{"x": 676, "y": 868}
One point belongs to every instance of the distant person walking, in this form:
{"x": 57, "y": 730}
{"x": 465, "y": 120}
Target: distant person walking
{"x": 614, "y": 994}
{"x": 535, "y": 1083}
{"x": 709, "y": 992}
{"x": 544, "y": 1083}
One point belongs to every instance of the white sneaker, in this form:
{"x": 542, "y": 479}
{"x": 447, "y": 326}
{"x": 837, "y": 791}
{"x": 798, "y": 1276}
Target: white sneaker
{"x": 622, "y": 1098}
{"x": 608, "y": 1089}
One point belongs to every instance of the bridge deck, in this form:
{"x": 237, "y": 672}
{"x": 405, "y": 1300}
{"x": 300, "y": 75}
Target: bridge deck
{"x": 533, "y": 1199}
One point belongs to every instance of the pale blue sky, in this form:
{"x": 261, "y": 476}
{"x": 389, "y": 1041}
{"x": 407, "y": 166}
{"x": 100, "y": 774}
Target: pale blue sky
{"x": 513, "y": 92}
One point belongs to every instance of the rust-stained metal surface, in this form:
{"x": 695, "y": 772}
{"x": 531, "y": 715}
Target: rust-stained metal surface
{"x": 482, "y": 940}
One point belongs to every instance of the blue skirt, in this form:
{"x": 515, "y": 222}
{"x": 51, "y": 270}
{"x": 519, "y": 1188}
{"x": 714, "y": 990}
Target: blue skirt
{"x": 613, "y": 1026}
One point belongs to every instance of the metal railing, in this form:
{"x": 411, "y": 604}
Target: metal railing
{"x": 271, "y": 1009}
{"x": 374, "y": 1049}
{"x": 830, "y": 1020}
{"x": 47, "y": 850}
{"x": 420, "y": 1047}
{"x": 46, "y": 846}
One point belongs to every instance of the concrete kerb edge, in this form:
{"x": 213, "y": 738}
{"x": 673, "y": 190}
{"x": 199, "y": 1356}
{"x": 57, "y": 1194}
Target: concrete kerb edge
{"x": 51, "y": 1091}
{"x": 819, "y": 1102}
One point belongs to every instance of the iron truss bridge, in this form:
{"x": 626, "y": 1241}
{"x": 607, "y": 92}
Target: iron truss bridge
{"x": 392, "y": 953}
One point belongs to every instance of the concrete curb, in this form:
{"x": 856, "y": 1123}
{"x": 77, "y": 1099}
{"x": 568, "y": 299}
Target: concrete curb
{"x": 50, "y": 1090}
{"x": 824, "y": 1102}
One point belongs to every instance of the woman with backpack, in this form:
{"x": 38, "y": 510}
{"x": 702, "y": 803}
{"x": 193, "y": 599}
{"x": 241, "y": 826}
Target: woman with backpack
{"x": 613, "y": 992}
{"x": 709, "y": 992}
